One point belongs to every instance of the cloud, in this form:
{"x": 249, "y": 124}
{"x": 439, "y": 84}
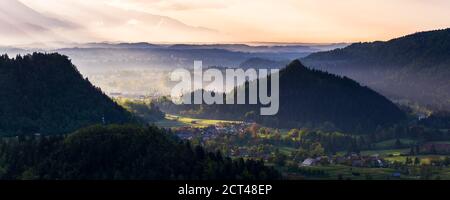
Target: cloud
{"x": 21, "y": 24}
{"x": 101, "y": 21}
{"x": 244, "y": 21}
{"x": 172, "y": 5}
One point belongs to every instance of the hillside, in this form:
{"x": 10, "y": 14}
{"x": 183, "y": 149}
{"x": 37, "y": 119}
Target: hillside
{"x": 120, "y": 153}
{"x": 415, "y": 67}
{"x": 311, "y": 98}
{"x": 262, "y": 63}
{"x": 45, "y": 93}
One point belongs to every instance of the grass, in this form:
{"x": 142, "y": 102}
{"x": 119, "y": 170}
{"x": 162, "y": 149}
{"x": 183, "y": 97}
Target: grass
{"x": 347, "y": 172}
{"x": 355, "y": 173}
{"x": 445, "y": 174}
{"x": 286, "y": 150}
{"x": 390, "y": 144}
{"x": 387, "y": 152}
{"x": 384, "y": 152}
{"x": 284, "y": 132}
{"x": 424, "y": 159}
{"x": 165, "y": 123}
{"x": 173, "y": 121}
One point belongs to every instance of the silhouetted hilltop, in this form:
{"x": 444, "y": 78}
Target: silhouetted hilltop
{"x": 45, "y": 93}
{"x": 262, "y": 63}
{"x": 121, "y": 153}
{"x": 414, "y": 67}
{"x": 311, "y": 98}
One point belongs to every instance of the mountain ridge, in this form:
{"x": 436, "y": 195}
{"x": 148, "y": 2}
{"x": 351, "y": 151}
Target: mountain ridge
{"x": 45, "y": 93}
{"x": 310, "y": 98}
{"x": 415, "y": 67}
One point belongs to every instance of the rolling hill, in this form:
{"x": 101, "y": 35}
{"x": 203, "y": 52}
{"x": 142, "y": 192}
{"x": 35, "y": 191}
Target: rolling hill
{"x": 311, "y": 98}
{"x": 126, "y": 152}
{"x": 414, "y": 68}
{"x": 45, "y": 93}
{"x": 262, "y": 63}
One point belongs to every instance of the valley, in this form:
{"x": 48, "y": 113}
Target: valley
{"x": 329, "y": 126}
{"x": 309, "y": 154}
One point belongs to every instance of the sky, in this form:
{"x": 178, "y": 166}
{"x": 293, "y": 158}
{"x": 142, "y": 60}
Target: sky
{"x": 231, "y": 21}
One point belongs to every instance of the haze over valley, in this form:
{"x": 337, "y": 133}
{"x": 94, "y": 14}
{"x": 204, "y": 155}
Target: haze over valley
{"x": 356, "y": 90}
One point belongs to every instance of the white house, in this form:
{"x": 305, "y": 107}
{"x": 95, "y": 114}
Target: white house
{"x": 308, "y": 162}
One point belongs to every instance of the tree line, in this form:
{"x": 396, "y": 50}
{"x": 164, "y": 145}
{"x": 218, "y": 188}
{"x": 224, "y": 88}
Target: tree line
{"x": 120, "y": 152}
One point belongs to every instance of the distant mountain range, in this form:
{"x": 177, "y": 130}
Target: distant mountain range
{"x": 45, "y": 93}
{"x": 262, "y": 63}
{"x": 414, "y": 68}
{"x": 274, "y": 48}
{"x": 100, "y": 57}
{"x": 311, "y": 98}
{"x": 105, "y": 63}
{"x": 105, "y": 56}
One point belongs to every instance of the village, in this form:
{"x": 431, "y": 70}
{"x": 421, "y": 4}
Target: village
{"x": 306, "y": 153}
{"x": 212, "y": 132}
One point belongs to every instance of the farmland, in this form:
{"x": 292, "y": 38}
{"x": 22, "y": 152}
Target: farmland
{"x": 171, "y": 121}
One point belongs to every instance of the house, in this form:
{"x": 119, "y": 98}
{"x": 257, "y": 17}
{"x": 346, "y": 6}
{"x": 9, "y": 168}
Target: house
{"x": 421, "y": 116}
{"x": 308, "y": 162}
{"x": 380, "y": 163}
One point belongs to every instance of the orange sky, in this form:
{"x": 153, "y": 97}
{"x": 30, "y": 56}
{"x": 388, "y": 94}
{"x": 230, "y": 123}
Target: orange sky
{"x": 253, "y": 20}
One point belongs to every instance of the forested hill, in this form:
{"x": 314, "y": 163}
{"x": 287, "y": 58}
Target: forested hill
{"x": 414, "y": 67}
{"x": 114, "y": 152}
{"x": 45, "y": 93}
{"x": 311, "y": 98}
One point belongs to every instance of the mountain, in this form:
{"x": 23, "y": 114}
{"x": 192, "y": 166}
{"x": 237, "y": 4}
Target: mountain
{"x": 414, "y": 67}
{"x": 45, "y": 93}
{"x": 311, "y": 98}
{"x": 11, "y": 50}
{"x": 139, "y": 45}
{"x": 299, "y": 49}
{"x": 262, "y": 63}
{"x": 101, "y": 57}
{"x": 120, "y": 153}
{"x": 439, "y": 120}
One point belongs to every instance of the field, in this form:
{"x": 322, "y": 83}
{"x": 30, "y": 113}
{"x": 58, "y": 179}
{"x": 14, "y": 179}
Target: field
{"x": 174, "y": 121}
{"x": 334, "y": 172}
{"x": 347, "y": 172}
{"x": 390, "y": 144}
{"x": 287, "y": 150}
{"x": 381, "y": 152}
{"x": 424, "y": 159}
{"x": 388, "y": 150}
